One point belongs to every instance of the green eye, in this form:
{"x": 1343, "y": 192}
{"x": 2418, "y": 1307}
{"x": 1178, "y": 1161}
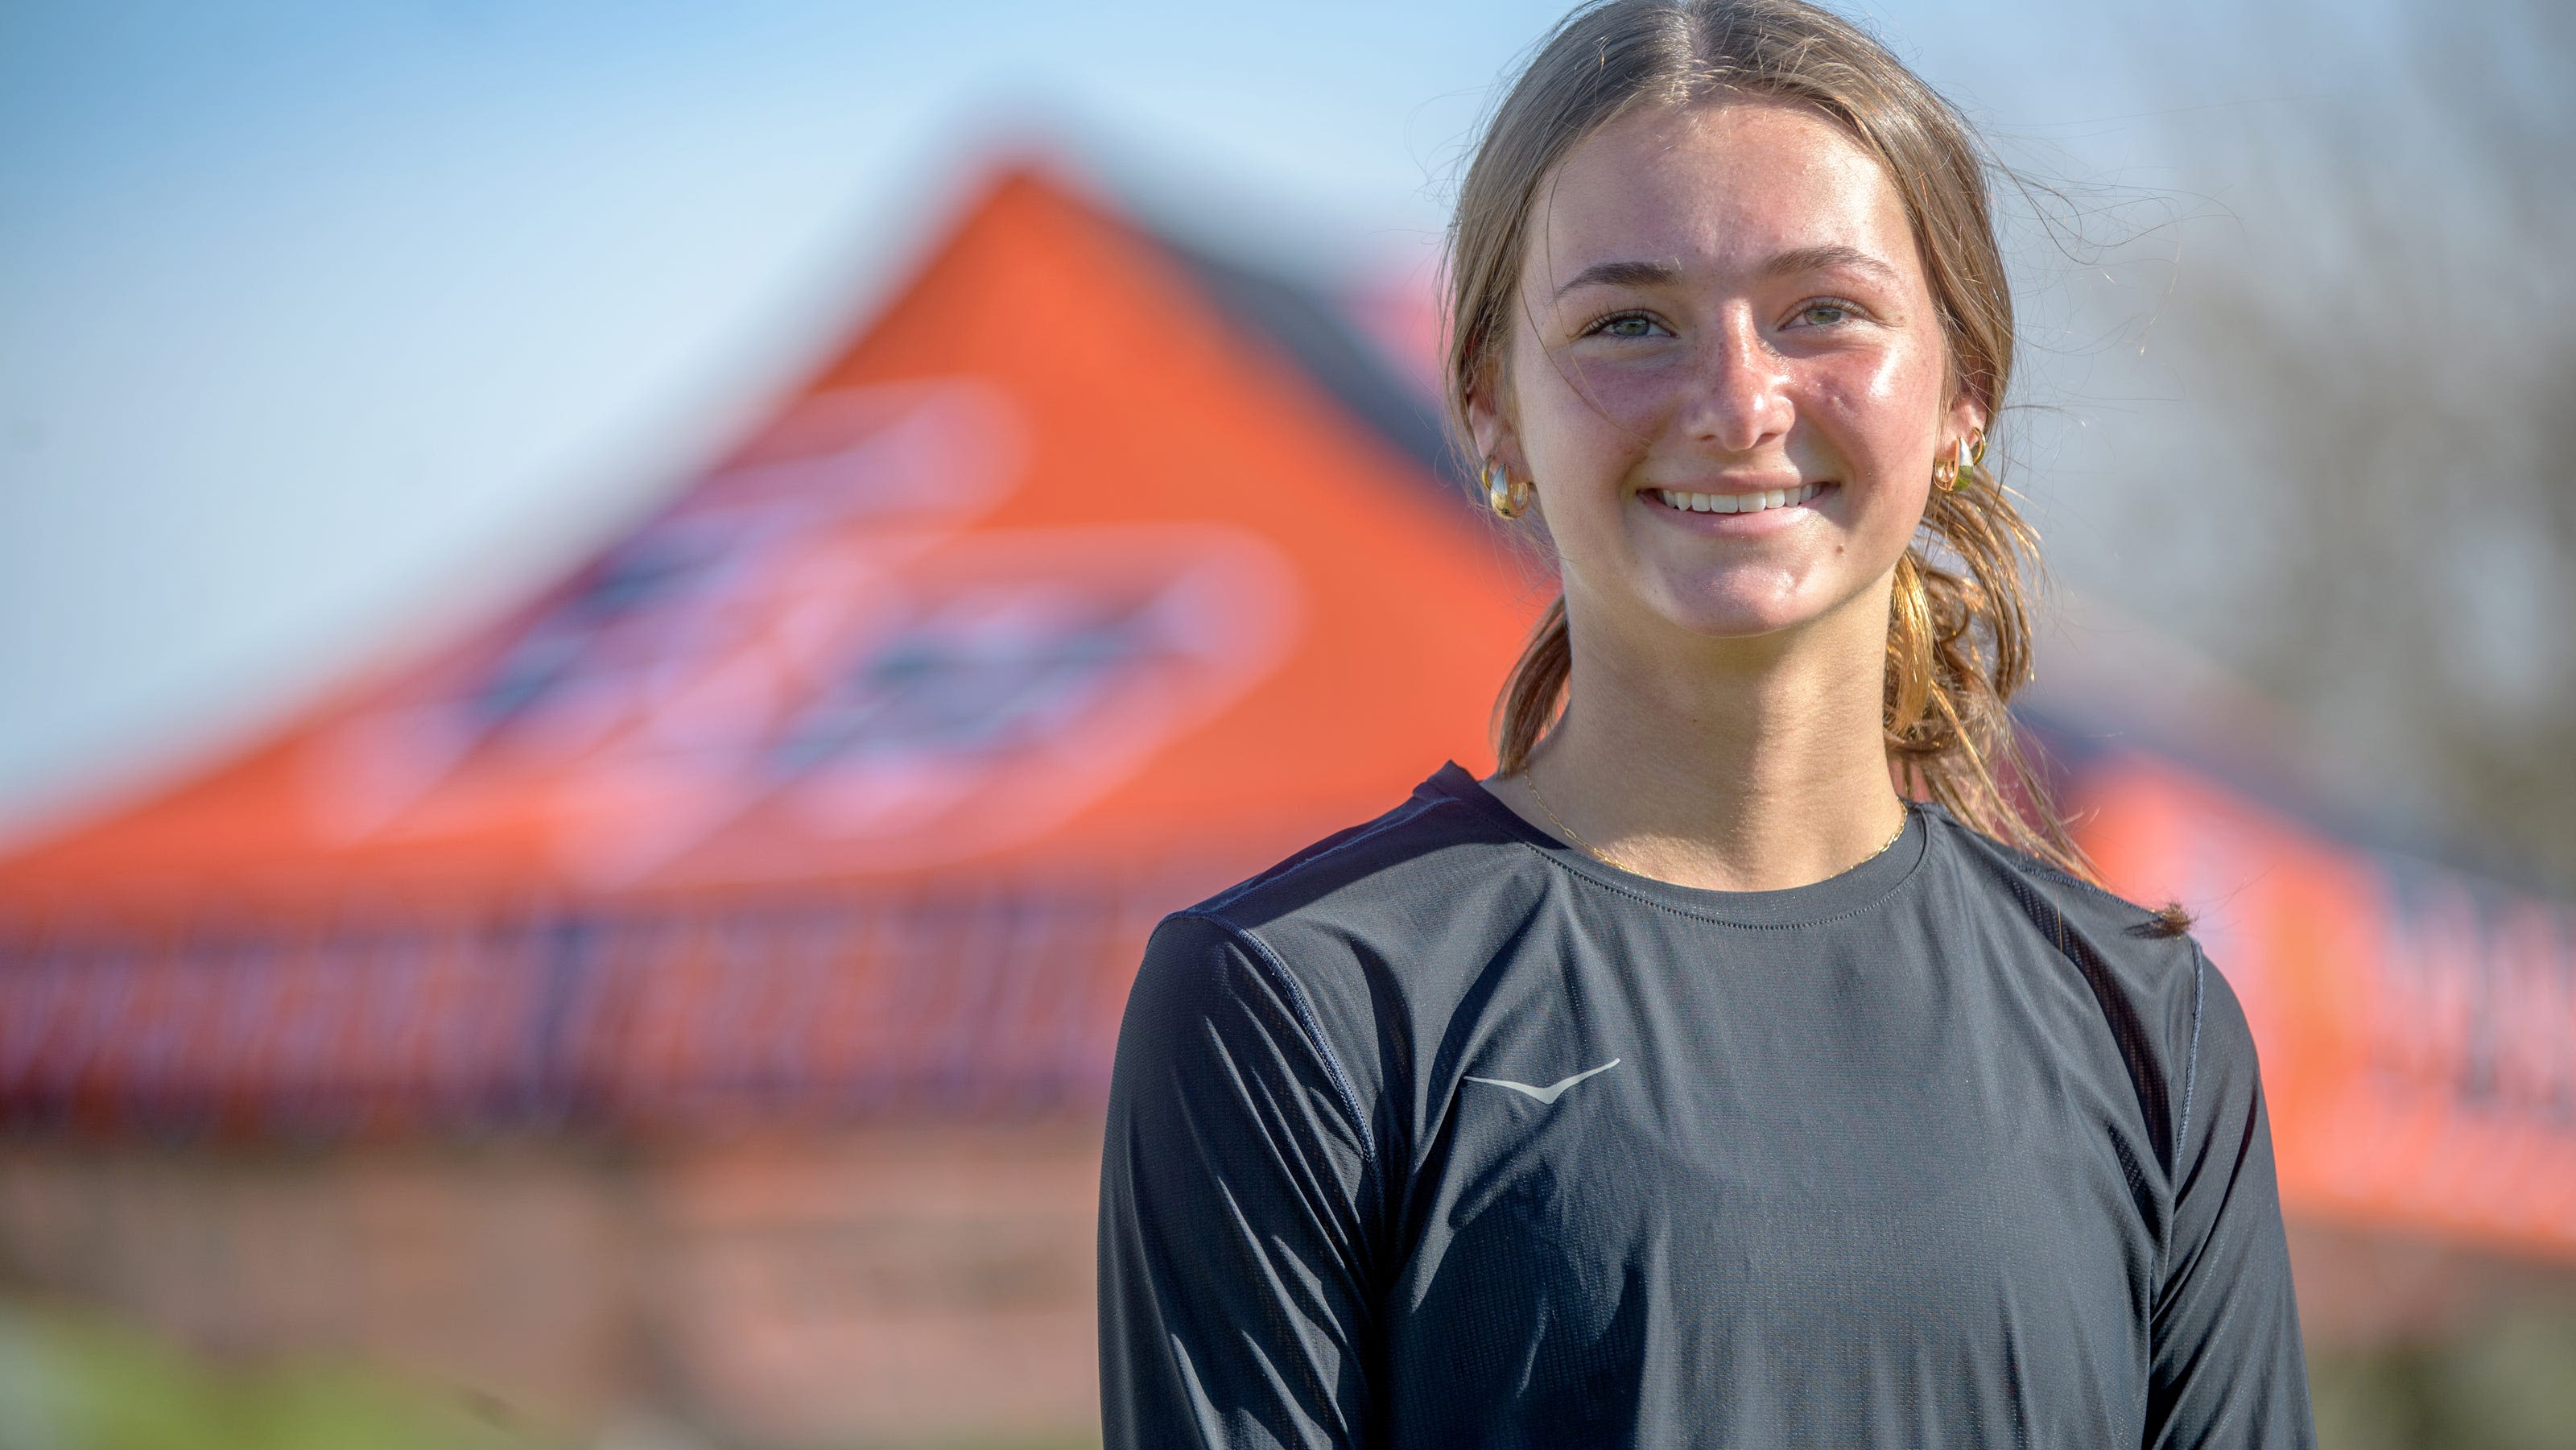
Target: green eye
{"x": 1826, "y": 314}
{"x": 1629, "y": 325}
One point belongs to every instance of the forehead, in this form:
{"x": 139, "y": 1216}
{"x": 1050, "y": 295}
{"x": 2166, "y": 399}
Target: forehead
{"x": 1715, "y": 186}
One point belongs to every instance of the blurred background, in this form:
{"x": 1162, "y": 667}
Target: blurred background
{"x": 615, "y": 620}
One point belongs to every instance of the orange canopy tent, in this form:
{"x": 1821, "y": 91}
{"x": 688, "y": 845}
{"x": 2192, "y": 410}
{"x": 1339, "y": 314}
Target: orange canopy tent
{"x": 2417, "y": 1025}
{"x": 1094, "y": 574}
{"x": 854, "y": 775}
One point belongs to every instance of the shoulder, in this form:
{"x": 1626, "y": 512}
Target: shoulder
{"x": 1346, "y": 940}
{"x": 2077, "y": 915}
{"x": 2166, "y": 1007}
{"x": 1383, "y": 873}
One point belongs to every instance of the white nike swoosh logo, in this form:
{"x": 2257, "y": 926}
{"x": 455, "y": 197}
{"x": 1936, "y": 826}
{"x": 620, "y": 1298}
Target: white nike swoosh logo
{"x": 1550, "y": 1093}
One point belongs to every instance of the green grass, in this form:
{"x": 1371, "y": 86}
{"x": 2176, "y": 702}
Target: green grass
{"x": 2506, "y": 1385}
{"x": 75, "y": 1381}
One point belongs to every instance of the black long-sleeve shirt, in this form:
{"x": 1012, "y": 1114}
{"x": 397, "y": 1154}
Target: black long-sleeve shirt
{"x": 1442, "y": 1133}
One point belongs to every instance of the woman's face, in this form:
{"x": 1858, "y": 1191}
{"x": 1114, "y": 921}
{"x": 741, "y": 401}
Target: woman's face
{"x": 1729, "y": 382}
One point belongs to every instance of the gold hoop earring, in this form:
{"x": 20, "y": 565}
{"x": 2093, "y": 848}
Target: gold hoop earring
{"x": 1507, "y": 499}
{"x": 1965, "y": 453}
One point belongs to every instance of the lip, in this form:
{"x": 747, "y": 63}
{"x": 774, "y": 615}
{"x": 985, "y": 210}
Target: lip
{"x": 1738, "y": 526}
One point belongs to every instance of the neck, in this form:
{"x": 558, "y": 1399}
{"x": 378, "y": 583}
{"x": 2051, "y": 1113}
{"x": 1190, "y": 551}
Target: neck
{"x": 1735, "y": 765}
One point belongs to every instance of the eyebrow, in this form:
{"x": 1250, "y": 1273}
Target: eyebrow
{"x": 1785, "y": 264}
{"x": 1826, "y": 259}
{"x": 1624, "y": 274}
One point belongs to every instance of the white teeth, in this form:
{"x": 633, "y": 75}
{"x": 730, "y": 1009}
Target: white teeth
{"x": 1738, "y": 503}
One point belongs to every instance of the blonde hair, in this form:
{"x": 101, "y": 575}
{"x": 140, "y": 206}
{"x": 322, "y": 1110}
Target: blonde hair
{"x": 1958, "y": 638}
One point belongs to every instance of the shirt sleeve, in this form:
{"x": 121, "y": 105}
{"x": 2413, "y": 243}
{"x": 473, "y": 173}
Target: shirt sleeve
{"x": 1233, "y": 1301}
{"x": 2227, "y": 1368}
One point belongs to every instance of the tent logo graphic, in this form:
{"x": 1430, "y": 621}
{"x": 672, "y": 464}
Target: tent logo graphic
{"x": 819, "y": 634}
{"x": 739, "y": 572}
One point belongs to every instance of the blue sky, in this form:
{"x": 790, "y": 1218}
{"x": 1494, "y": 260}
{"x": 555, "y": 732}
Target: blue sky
{"x": 325, "y": 327}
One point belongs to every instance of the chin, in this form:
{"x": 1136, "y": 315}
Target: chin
{"x": 1715, "y": 611}
{"x": 1749, "y": 624}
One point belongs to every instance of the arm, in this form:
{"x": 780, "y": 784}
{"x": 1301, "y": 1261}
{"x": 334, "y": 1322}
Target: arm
{"x": 1233, "y": 1307}
{"x": 2226, "y": 1367}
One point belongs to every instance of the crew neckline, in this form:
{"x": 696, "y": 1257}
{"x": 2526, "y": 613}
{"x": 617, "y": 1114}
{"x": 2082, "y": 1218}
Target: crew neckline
{"x": 1854, "y": 890}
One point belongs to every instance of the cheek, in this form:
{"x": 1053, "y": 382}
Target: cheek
{"x": 1880, "y": 411}
{"x": 1900, "y": 378}
{"x": 1587, "y": 420}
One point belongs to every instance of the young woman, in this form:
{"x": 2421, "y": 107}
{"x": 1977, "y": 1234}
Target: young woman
{"x": 1746, "y": 1062}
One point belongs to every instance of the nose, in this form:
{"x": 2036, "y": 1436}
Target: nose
{"x": 1739, "y": 389}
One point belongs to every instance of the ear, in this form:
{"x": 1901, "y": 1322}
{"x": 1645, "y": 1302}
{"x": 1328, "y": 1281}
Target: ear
{"x": 1491, "y": 427}
{"x": 1967, "y": 419}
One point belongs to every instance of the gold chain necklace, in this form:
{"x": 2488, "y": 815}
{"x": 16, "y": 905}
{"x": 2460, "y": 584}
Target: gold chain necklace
{"x": 1531, "y": 778}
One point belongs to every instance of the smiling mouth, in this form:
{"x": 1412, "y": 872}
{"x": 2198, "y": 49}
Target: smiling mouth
{"x": 1735, "y": 503}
